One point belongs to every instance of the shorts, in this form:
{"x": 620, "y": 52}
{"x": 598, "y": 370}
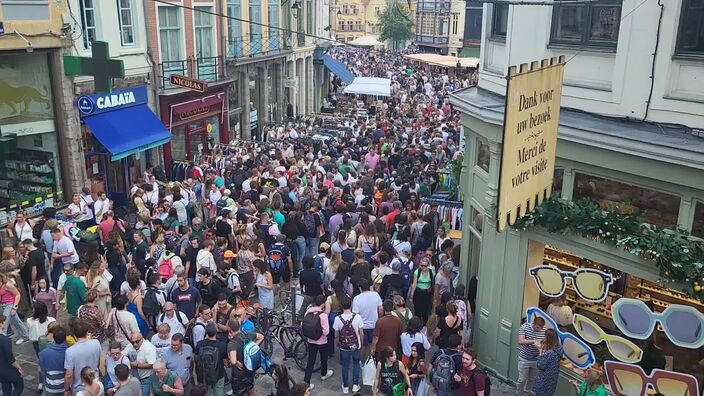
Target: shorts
{"x": 368, "y": 337}
{"x": 242, "y": 381}
{"x": 284, "y": 275}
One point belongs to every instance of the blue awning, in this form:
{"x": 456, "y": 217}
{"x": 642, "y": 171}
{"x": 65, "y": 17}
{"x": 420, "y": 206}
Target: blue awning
{"x": 338, "y": 69}
{"x": 128, "y": 130}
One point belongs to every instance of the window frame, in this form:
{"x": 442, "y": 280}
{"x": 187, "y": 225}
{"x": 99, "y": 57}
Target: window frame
{"x": 494, "y": 16}
{"x": 585, "y": 41}
{"x": 87, "y": 44}
{"x": 179, "y": 28}
{"x": 679, "y": 52}
{"x": 199, "y": 9}
{"x": 122, "y": 24}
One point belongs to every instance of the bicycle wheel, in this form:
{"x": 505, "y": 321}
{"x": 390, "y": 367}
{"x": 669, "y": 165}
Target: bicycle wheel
{"x": 267, "y": 346}
{"x": 286, "y": 337}
{"x": 300, "y": 354}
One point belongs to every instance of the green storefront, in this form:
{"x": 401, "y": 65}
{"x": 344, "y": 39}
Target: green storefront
{"x": 608, "y": 161}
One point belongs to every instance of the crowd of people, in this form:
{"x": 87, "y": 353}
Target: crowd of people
{"x": 168, "y": 299}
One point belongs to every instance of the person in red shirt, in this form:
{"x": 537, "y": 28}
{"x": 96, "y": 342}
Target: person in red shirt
{"x": 472, "y": 381}
{"x": 388, "y": 329}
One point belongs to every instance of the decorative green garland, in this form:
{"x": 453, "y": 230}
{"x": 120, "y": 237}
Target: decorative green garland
{"x": 678, "y": 256}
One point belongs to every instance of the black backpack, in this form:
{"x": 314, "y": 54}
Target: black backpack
{"x": 188, "y": 337}
{"x": 406, "y": 275}
{"x": 487, "y": 385}
{"x": 207, "y": 364}
{"x": 150, "y": 303}
{"x": 311, "y": 327}
{"x": 220, "y": 205}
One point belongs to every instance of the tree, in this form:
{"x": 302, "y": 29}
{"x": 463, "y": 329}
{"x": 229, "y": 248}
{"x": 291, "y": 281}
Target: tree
{"x": 396, "y": 24}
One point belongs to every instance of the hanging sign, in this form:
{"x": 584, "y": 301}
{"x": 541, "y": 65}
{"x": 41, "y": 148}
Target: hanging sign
{"x": 533, "y": 95}
{"x": 188, "y": 83}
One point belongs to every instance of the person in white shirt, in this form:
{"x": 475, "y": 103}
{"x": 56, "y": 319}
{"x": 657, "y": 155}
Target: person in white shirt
{"x": 205, "y": 315}
{"x": 101, "y": 207}
{"x": 205, "y": 258}
{"x": 176, "y": 320}
{"x": 123, "y": 321}
{"x": 88, "y": 204}
{"x": 412, "y": 335}
{"x": 162, "y": 339}
{"x": 368, "y": 305}
{"x": 77, "y": 210}
{"x": 113, "y": 358}
{"x": 561, "y": 313}
{"x": 142, "y": 354}
{"x": 349, "y": 352}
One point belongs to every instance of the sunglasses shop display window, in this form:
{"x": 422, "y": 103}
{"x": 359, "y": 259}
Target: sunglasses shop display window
{"x": 643, "y": 337}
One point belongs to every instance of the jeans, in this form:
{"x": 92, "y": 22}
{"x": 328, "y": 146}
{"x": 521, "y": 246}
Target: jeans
{"x": 12, "y": 385}
{"x": 301, "y": 245}
{"x": 313, "y": 245}
{"x": 345, "y": 357}
{"x": 13, "y": 320}
{"x": 57, "y": 268}
{"x": 218, "y": 389}
{"x": 146, "y": 386}
{"x": 313, "y": 351}
{"x": 527, "y": 370}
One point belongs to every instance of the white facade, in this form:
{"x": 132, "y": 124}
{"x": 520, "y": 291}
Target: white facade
{"x": 604, "y": 80}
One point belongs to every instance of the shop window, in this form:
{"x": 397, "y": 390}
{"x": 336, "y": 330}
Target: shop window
{"x": 597, "y": 314}
{"x": 473, "y": 20}
{"x": 483, "y": 156}
{"x": 499, "y": 24}
{"x": 656, "y": 207}
{"x": 126, "y": 20}
{"x": 88, "y": 22}
{"x": 233, "y": 96}
{"x": 690, "y": 38}
{"x": 590, "y": 25}
{"x": 698, "y": 225}
{"x": 477, "y": 220}
{"x": 557, "y": 181}
{"x": 30, "y": 166}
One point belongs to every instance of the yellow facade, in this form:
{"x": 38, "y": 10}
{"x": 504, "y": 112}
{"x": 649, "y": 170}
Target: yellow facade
{"x": 44, "y": 33}
{"x": 355, "y": 18}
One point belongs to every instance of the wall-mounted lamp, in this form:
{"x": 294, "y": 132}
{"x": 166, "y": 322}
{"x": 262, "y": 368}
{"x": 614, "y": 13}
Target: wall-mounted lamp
{"x": 296, "y": 7}
{"x": 29, "y": 47}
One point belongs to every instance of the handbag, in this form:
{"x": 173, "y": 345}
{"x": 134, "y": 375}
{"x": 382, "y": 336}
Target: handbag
{"x": 369, "y": 372}
{"x": 423, "y": 388}
{"x": 399, "y": 389}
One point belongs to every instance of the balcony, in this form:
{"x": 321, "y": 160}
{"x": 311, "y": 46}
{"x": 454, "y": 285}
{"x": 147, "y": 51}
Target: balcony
{"x": 257, "y": 45}
{"x": 206, "y": 69}
{"x": 439, "y": 6}
{"x": 437, "y": 40}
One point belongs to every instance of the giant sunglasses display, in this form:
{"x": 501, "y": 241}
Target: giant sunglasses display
{"x": 620, "y": 348}
{"x": 631, "y": 380}
{"x": 684, "y": 325}
{"x": 574, "y": 349}
{"x": 590, "y": 284}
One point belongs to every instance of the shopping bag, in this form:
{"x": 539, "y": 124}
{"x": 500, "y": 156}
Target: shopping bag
{"x": 423, "y": 389}
{"x": 369, "y": 372}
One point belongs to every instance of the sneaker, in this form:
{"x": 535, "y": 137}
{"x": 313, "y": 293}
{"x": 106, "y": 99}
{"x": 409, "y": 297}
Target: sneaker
{"x": 230, "y": 392}
{"x": 40, "y": 386}
{"x": 20, "y": 341}
{"x": 328, "y": 375}
{"x": 355, "y": 388}
{"x": 311, "y": 386}
{"x": 345, "y": 390}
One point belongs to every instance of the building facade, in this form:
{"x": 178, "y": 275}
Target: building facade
{"x": 440, "y": 26}
{"x": 471, "y": 40}
{"x": 352, "y": 19}
{"x": 627, "y": 142}
{"x": 39, "y": 163}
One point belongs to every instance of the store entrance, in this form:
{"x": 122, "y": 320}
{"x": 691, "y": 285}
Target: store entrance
{"x": 197, "y": 138}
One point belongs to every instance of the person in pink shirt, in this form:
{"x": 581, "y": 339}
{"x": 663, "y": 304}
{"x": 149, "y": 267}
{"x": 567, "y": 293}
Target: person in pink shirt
{"x": 371, "y": 160}
{"x": 318, "y": 345}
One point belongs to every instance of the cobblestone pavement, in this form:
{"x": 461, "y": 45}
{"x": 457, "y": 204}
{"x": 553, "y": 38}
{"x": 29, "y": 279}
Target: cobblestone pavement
{"x": 25, "y": 355}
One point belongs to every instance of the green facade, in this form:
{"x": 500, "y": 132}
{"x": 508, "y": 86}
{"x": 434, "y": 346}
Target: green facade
{"x": 504, "y": 257}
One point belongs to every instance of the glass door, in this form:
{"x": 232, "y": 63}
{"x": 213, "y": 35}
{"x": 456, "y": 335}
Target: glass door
{"x": 197, "y": 139}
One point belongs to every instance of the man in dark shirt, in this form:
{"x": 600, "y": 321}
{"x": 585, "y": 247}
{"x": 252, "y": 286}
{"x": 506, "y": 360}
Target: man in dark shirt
{"x": 454, "y": 343}
{"x": 242, "y": 379}
{"x": 387, "y": 331}
{"x": 186, "y": 297}
{"x": 311, "y": 283}
{"x": 392, "y": 283}
{"x": 208, "y": 289}
{"x": 11, "y": 369}
{"x": 208, "y": 346}
{"x": 34, "y": 269}
{"x": 348, "y": 253}
{"x": 191, "y": 258}
{"x": 653, "y": 356}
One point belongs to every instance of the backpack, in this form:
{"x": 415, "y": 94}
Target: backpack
{"x": 404, "y": 318}
{"x": 406, "y": 275}
{"x": 188, "y": 337}
{"x": 443, "y": 372}
{"x": 251, "y": 355}
{"x": 309, "y": 223}
{"x": 37, "y": 229}
{"x": 348, "y": 336}
{"x": 311, "y": 327}
{"x": 220, "y": 205}
{"x": 150, "y": 303}
{"x": 207, "y": 367}
{"x": 171, "y": 241}
{"x": 276, "y": 259}
{"x": 487, "y": 385}
{"x": 319, "y": 265}
{"x": 166, "y": 268}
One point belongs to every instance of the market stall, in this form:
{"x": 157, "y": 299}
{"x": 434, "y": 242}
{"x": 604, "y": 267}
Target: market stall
{"x": 370, "y": 86}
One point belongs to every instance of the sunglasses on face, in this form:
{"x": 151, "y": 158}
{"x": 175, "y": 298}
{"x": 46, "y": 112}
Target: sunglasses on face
{"x": 135, "y": 342}
{"x": 574, "y": 349}
{"x": 629, "y": 379}
{"x": 590, "y": 284}
{"x": 683, "y": 325}
{"x": 621, "y": 348}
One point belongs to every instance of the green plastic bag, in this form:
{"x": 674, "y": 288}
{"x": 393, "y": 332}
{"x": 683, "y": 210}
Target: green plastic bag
{"x": 399, "y": 389}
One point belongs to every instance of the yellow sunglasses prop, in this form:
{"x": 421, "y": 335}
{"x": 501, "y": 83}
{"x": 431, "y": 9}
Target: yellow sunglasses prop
{"x": 621, "y": 348}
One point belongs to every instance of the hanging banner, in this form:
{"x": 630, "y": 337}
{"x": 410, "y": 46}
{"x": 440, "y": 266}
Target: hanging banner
{"x": 531, "y": 119}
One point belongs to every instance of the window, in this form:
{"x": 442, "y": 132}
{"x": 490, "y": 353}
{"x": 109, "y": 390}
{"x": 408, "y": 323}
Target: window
{"x": 309, "y": 16}
{"x": 88, "y": 22}
{"x": 274, "y": 24}
{"x": 255, "y": 30}
{"x": 24, "y": 10}
{"x": 170, "y": 33}
{"x": 358, "y": 25}
{"x": 473, "y": 20}
{"x": 557, "y": 178}
{"x": 592, "y": 25}
{"x": 455, "y": 22}
{"x": 350, "y": 26}
{"x": 341, "y": 25}
{"x": 345, "y": 9}
{"x": 500, "y": 21}
{"x": 483, "y": 156}
{"x": 377, "y": 11}
{"x": 656, "y": 207}
{"x": 698, "y": 225}
{"x": 234, "y": 28}
{"x": 203, "y": 22}
{"x": 690, "y": 39}
{"x": 126, "y": 20}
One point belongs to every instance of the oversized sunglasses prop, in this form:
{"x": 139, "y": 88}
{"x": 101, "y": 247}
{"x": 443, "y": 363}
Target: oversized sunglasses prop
{"x": 590, "y": 284}
{"x": 620, "y": 348}
{"x": 630, "y": 380}
{"x": 574, "y": 349}
{"x": 684, "y": 325}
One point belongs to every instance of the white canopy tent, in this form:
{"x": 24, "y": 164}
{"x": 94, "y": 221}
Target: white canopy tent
{"x": 366, "y": 41}
{"x": 370, "y": 86}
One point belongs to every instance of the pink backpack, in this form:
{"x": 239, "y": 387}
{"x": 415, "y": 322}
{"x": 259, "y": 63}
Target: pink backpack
{"x": 166, "y": 268}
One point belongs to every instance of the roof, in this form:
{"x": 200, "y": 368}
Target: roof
{"x": 645, "y": 139}
{"x": 370, "y": 86}
{"x": 366, "y": 41}
{"x": 443, "y": 60}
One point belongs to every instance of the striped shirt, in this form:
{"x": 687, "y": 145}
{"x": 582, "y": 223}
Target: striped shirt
{"x": 529, "y": 351}
{"x": 51, "y": 361}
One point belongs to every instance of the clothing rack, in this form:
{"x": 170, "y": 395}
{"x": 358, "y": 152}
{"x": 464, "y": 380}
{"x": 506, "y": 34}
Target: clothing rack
{"x": 450, "y": 211}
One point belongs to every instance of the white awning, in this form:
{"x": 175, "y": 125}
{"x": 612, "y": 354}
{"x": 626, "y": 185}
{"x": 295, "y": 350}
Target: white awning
{"x": 370, "y": 86}
{"x": 366, "y": 41}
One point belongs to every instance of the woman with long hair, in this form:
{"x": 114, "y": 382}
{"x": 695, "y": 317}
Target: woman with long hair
{"x": 258, "y": 243}
{"x": 548, "y": 364}
{"x": 46, "y": 295}
{"x": 9, "y": 302}
{"x": 450, "y": 324}
{"x": 413, "y": 335}
{"x": 331, "y": 270}
{"x": 91, "y": 386}
{"x": 389, "y": 373}
{"x": 368, "y": 242}
{"x": 592, "y": 384}
{"x": 264, "y": 283}
{"x": 422, "y": 290}
{"x": 283, "y": 382}
{"x": 158, "y": 248}
{"x": 417, "y": 369}
{"x": 135, "y": 303}
{"x": 93, "y": 316}
{"x": 97, "y": 280}
{"x": 38, "y": 324}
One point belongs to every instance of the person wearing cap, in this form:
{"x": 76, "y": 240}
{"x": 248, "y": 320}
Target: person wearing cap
{"x": 210, "y": 346}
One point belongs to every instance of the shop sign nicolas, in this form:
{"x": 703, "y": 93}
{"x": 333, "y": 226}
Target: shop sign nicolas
{"x": 531, "y": 119}
{"x": 188, "y": 83}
